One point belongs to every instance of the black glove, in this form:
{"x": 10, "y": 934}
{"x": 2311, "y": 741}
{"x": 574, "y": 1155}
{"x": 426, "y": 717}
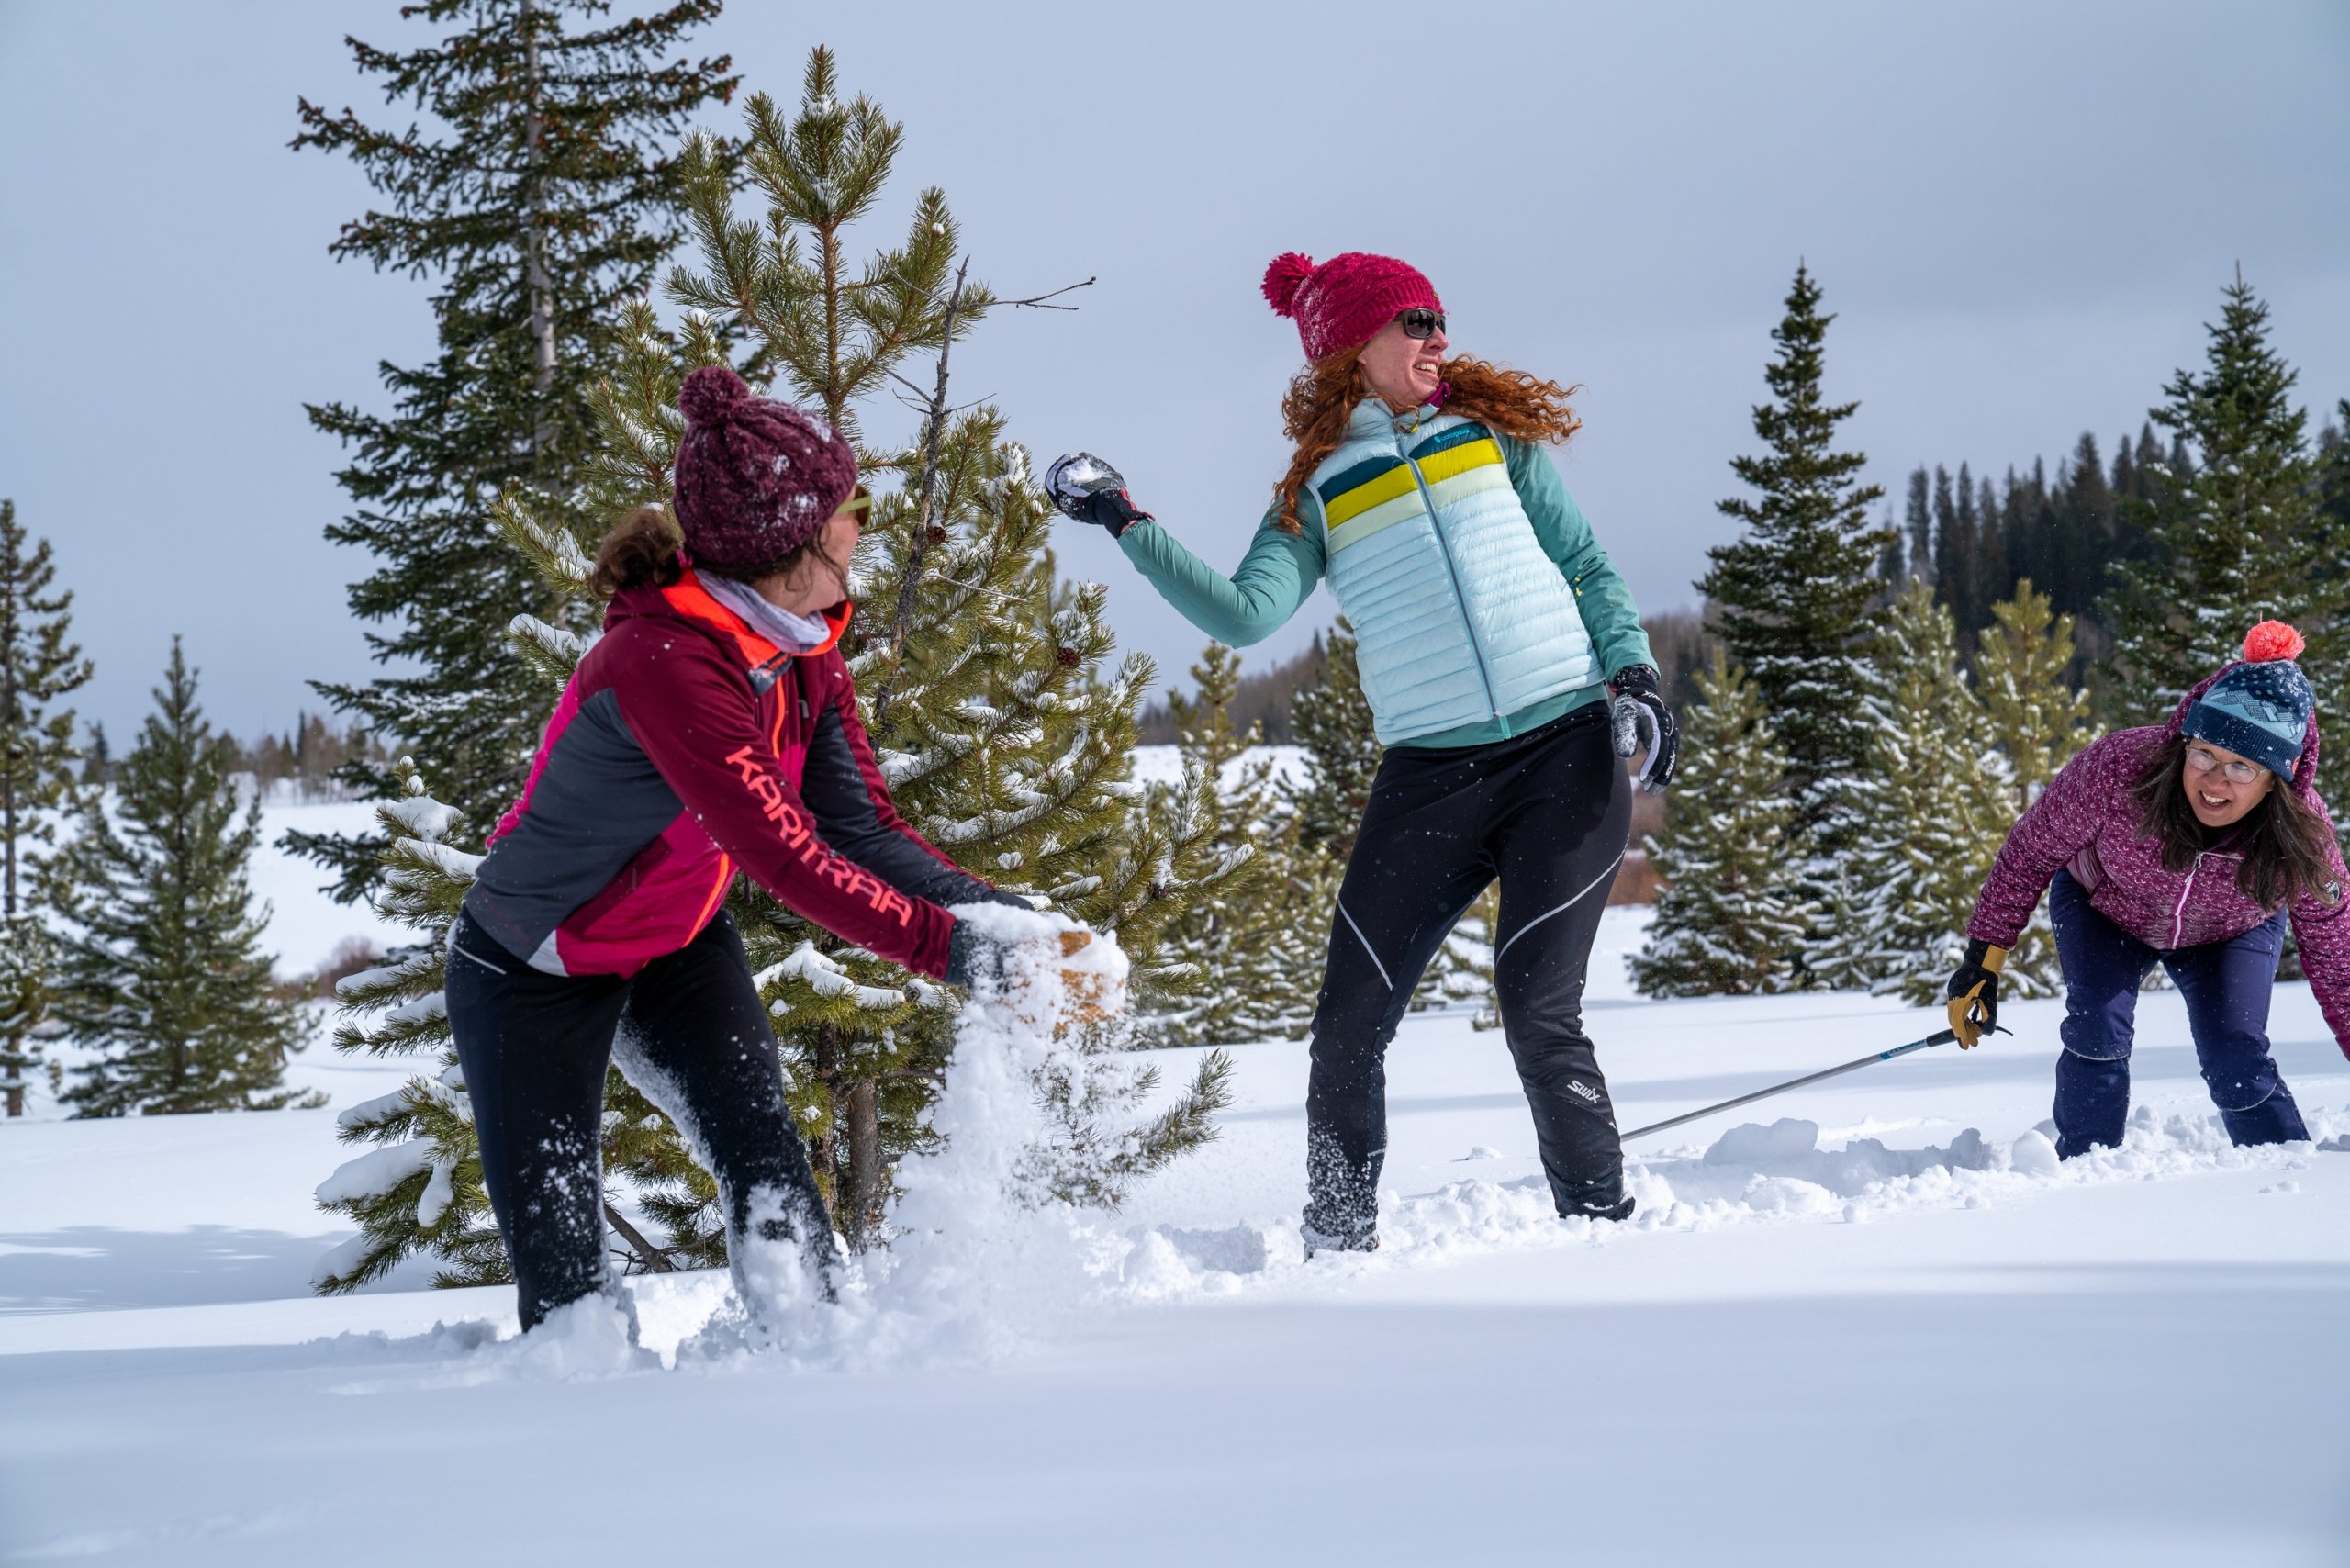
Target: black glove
{"x": 971, "y": 957}
{"x": 1090, "y": 491}
{"x": 1974, "y": 992}
{"x": 1637, "y": 702}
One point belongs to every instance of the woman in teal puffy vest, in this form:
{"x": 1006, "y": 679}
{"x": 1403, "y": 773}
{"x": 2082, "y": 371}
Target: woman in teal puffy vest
{"x": 1507, "y": 672}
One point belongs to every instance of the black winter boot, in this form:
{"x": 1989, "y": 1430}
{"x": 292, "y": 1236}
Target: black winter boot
{"x": 1321, "y": 1241}
{"x": 1621, "y": 1209}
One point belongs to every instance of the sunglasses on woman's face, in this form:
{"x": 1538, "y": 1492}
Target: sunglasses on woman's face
{"x": 860, "y": 501}
{"x": 1422, "y": 322}
{"x": 2203, "y": 761}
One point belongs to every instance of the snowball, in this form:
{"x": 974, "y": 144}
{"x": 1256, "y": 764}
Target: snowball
{"x": 1751, "y": 1144}
{"x": 2032, "y": 1155}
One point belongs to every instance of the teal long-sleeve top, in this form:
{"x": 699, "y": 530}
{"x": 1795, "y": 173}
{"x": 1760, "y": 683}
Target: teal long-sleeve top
{"x": 1278, "y": 574}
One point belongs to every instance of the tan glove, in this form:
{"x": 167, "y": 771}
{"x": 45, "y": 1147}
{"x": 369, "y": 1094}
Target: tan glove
{"x": 1974, "y": 992}
{"x": 1088, "y": 994}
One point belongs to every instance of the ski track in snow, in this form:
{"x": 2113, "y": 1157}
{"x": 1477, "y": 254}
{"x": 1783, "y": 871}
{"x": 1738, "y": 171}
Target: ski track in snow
{"x": 1752, "y": 1174}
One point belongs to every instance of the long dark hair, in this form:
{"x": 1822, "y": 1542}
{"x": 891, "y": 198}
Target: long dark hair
{"x": 2283, "y": 839}
{"x": 644, "y": 546}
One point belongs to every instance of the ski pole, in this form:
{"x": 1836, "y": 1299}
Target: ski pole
{"x": 1940, "y": 1038}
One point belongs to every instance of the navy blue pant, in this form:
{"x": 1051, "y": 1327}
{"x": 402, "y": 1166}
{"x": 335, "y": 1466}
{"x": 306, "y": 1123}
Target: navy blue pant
{"x": 2226, "y": 987}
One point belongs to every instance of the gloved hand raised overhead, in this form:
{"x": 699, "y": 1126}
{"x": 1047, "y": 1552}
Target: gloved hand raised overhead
{"x": 1636, "y": 702}
{"x": 1090, "y": 491}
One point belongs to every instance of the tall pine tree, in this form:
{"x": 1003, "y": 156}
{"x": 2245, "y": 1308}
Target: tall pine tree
{"x": 538, "y": 190}
{"x": 161, "y": 973}
{"x": 1730, "y": 916}
{"x": 2037, "y": 718}
{"x": 2239, "y": 536}
{"x": 1240, "y": 940}
{"x": 1931, "y": 811}
{"x": 1332, "y": 721}
{"x": 38, "y": 667}
{"x": 26, "y": 955}
{"x": 1791, "y": 595}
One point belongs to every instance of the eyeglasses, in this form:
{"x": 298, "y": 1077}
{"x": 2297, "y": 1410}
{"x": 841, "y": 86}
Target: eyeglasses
{"x": 1422, "y": 322}
{"x": 860, "y": 501}
{"x": 2203, "y": 760}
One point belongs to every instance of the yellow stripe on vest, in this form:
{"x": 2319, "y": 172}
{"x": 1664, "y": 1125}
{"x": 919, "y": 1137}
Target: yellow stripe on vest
{"x": 1396, "y": 481}
{"x": 1459, "y": 459}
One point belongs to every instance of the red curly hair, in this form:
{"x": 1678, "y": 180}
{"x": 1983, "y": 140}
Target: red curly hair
{"x": 1323, "y": 397}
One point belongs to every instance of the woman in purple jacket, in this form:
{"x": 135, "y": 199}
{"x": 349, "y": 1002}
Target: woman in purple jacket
{"x": 2185, "y": 844}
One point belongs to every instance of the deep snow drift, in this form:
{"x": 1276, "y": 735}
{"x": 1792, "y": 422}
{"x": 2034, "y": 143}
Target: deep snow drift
{"x": 1874, "y": 1317}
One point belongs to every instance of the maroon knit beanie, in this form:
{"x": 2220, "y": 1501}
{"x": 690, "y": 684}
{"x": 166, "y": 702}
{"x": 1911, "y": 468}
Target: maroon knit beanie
{"x": 1342, "y": 303}
{"x": 756, "y": 478}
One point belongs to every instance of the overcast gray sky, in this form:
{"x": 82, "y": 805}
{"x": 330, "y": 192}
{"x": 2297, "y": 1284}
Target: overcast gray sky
{"x": 2022, "y": 214}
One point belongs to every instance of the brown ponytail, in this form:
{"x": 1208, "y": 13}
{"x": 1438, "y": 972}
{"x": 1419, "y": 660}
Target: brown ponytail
{"x": 642, "y": 548}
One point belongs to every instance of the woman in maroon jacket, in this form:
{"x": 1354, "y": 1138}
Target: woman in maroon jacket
{"x": 713, "y": 728}
{"x": 2187, "y": 845}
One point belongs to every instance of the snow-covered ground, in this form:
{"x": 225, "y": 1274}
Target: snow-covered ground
{"x": 1894, "y": 1330}
{"x": 306, "y": 926}
{"x": 1164, "y": 764}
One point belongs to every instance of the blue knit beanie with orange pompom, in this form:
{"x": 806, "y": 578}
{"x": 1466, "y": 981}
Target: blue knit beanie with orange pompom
{"x": 2261, "y": 709}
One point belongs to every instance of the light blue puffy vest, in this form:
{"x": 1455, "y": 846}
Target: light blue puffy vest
{"x": 1459, "y": 615}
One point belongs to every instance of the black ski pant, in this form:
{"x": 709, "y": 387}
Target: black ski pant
{"x": 692, "y": 1036}
{"x": 1546, "y": 813}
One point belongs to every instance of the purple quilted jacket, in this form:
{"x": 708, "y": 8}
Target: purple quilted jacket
{"x": 2086, "y": 821}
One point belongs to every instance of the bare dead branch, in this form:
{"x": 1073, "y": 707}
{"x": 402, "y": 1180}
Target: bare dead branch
{"x": 651, "y": 1256}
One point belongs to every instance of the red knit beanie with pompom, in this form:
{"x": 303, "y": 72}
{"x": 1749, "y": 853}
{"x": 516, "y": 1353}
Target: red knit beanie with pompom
{"x": 1342, "y": 303}
{"x": 756, "y": 478}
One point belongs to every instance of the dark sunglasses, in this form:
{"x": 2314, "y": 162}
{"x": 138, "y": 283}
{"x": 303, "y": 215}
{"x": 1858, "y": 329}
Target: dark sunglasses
{"x": 1422, "y": 322}
{"x": 860, "y": 501}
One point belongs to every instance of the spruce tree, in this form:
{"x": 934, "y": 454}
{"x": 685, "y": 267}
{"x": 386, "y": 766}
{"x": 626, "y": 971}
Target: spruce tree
{"x": 2040, "y": 720}
{"x": 1240, "y": 940}
{"x": 1917, "y": 522}
{"x": 159, "y": 972}
{"x": 1932, "y": 812}
{"x": 1332, "y": 719}
{"x": 2037, "y": 720}
{"x": 1790, "y": 596}
{"x": 1730, "y": 913}
{"x": 38, "y": 668}
{"x": 2334, "y": 474}
{"x": 981, "y": 677}
{"x": 2239, "y": 535}
{"x": 539, "y": 191}
{"x": 26, "y": 955}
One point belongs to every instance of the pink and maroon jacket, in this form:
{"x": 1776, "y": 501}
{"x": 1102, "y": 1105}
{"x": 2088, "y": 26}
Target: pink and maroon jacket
{"x": 2086, "y": 821}
{"x": 686, "y": 748}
